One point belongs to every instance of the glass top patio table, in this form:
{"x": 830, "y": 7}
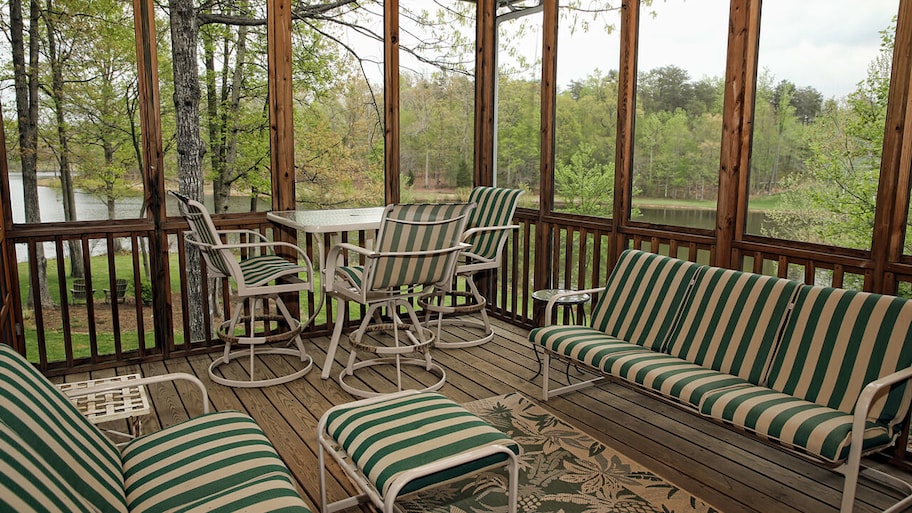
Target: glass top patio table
{"x": 332, "y": 221}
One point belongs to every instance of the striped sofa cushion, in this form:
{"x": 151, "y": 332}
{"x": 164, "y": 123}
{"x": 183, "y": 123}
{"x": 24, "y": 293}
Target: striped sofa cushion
{"x": 731, "y": 321}
{"x": 494, "y": 206}
{"x": 802, "y": 425}
{"x": 219, "y": 461}
{"x": 670, "y": 376}
{"x": 837, "y": 341}
{"x": 642, "y": 297}
{"x": 582, "y": 344}
{"x": 29, "y": 484}
{"x": 389, "y": 437}
{"x": 58, "y": 434}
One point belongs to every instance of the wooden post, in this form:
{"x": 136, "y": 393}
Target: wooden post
{"x": 626, "y": 113}
{"x": 737, "y": 115}
{"x": 890, "y": 214}
{"x": 391, "y": 98}
{"x": 153, "y": 170}
{"x": 485, "y": 101}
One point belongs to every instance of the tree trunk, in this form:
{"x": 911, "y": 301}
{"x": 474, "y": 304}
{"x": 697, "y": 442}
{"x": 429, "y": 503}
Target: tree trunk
{"x": 26, "y": 86}
{"x": 184, "y": 37}
{"x": 77, "y": 269}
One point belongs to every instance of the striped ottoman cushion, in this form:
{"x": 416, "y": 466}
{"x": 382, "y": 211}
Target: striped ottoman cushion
{"x": 61, "y": 436}
{"x": 809, "y": 427}
{"x": 220, "y": 461}
{"x": 731, "y": 322}
{"x": 582, "y": 344}
{"x": 387, "y": 438}
{"x": 671, "y": 376}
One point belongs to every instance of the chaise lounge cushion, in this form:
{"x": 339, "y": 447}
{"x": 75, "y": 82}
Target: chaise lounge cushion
{"x": 58, "y": 434}
{"x": 220, "y": 460}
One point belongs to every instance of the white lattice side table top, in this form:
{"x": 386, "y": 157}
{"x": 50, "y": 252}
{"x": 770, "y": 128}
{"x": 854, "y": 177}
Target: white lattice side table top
{"x": 121, "y": 403}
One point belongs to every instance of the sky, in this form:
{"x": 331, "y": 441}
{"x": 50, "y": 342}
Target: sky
{"x": 825, "y": 44}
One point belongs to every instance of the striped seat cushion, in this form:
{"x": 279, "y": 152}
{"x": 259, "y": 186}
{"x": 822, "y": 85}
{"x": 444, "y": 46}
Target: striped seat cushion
{"x": 29, "y": 484}
{"x": 582, "y": 344}
{"x": 351, "y": 274}
{"x": 642, "y": 297}
{"x": 670, "y": 376}
{"x": 731, "y": 321}
{"x": 219, "y": 461}
{"x": 837, "y": 341}
{"x": 802, "y": 425}
{"x": 259, "y": 270}
{"x": 58, "y": 434}
{"x": 389, "y": 437}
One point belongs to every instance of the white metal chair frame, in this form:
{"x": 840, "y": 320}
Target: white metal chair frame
{"x": 468, "y": 265}
{"x": 395, "y": 297}
{"x": 276, "y": 276}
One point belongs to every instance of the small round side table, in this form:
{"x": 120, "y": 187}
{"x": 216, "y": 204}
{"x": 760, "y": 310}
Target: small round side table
{"x": 570, "y": 301}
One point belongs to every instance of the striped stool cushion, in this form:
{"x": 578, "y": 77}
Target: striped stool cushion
{"x": 837, "y": 341}
{"x": 29, "y": 484}
{"x": 387, "y": 438}
{"x": 673, "y": 377}
{"x": 58, "y": 434}
{"x": 731, "y": 321}
{"x": 220, "y": 461}
{"x": 642, "y": 296}
{"x": 582, "y": 344}
{"x": 803, "y": 425}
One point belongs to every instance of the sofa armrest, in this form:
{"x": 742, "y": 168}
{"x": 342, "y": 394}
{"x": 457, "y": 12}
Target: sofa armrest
{"x": 557, "y": 297}
{"x": 146, "y": 381}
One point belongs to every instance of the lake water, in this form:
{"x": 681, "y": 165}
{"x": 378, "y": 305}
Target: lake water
{"x": 697, "y": 218}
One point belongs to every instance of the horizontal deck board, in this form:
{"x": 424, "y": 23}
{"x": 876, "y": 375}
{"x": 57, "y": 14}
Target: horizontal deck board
{"x": 735, "y": 473}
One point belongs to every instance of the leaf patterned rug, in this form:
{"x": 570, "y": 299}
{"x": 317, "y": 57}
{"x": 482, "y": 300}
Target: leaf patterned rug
{"x": 562, "y": 470}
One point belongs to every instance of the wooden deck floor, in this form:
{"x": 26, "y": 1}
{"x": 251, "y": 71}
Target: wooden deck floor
{"x": 733, "y": 472}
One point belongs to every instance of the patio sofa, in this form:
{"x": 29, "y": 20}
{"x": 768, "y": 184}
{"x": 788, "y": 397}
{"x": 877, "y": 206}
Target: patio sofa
{"x": 53, "y": 459}
{"x": 819, "y": 371}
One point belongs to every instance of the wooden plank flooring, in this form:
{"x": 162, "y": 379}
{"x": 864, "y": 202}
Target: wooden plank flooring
{"x": 735, "y": 473}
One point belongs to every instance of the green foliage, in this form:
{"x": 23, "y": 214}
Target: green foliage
{"x": 585, "y": 184}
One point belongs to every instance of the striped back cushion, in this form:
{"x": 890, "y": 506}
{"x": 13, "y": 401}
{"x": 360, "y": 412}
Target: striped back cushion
{"x": 58, "y": 434}
{"x": 731, "y": 321}
{"x": 494, "y": 206}
{"x": 837, "y": 341}
{"x": 642, "y": 297}
{"x": 205, "y": 233}
{"x": 29, "y": 484}
{"x": 430, "y": 232}
{"x": 390, "y": 437}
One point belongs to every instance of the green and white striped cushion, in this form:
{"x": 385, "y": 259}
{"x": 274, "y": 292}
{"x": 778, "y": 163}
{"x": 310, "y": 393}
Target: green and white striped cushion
{"x": 731, "y": 321}
{"x": 425, "y": 227}
{"x": 219, "y": 461}
{"x": 29, "y": 484}
{"x": 494, "y": 206}
{"x": 263, "y": 269}
{"x": 809, "y": 427}
{"x": 642, "y": 297}
{"x": 670, "y": 376}
{"x": 389, "y": 437}
{"x": 582, "y": 344}
{"x": 352, "y": 274}
{"x": 837, "y": 341}
{"x": 58, "y": 434}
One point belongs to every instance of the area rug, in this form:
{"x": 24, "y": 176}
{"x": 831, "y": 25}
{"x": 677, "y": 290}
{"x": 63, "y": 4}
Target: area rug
{"x": 562, "y": 470}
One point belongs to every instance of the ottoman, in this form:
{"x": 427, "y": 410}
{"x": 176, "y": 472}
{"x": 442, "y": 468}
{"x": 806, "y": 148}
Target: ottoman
{"x": 399, "y": 443}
